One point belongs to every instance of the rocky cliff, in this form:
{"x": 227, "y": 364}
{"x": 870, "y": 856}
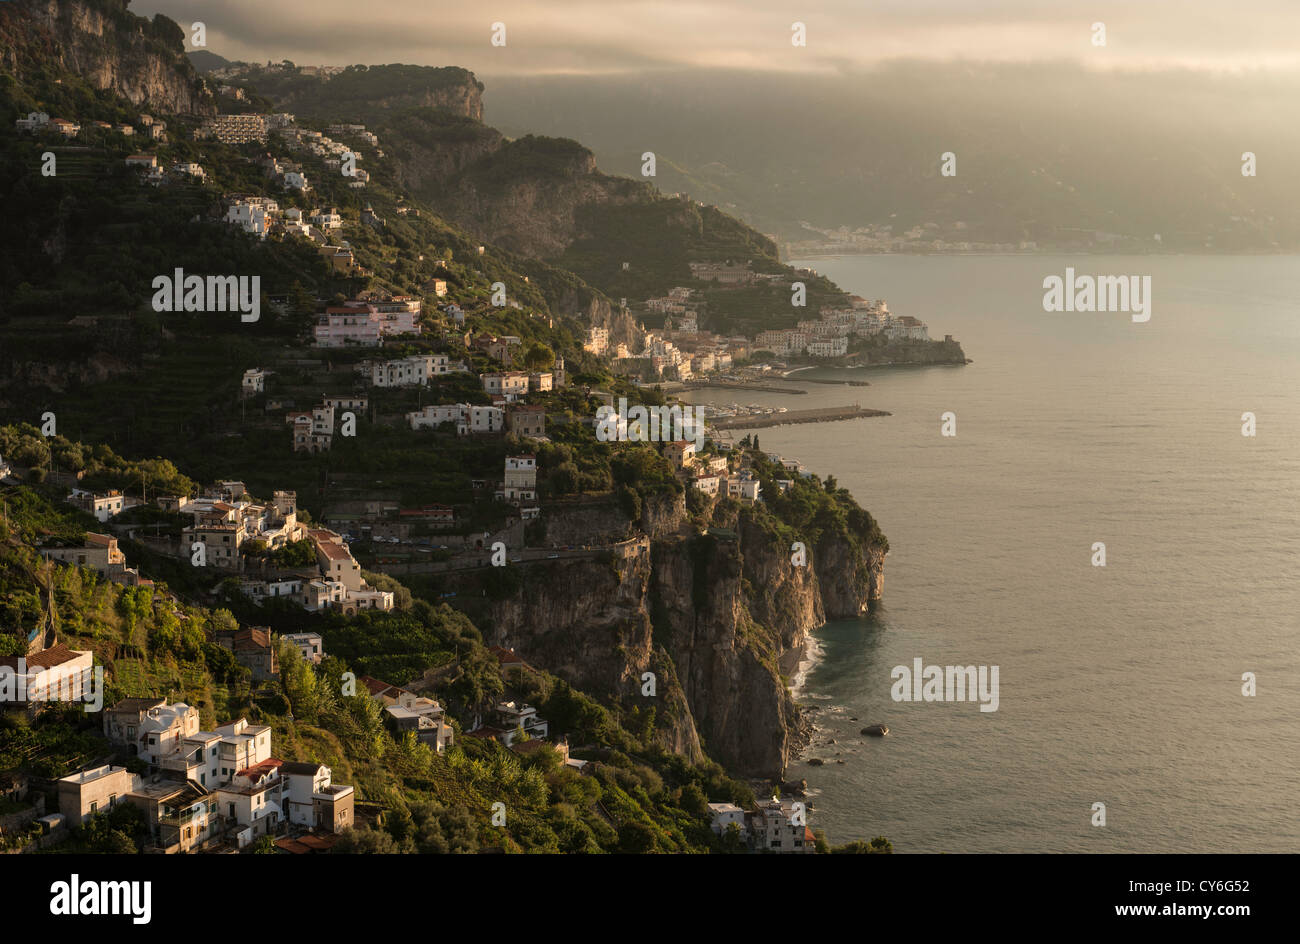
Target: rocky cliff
{"x": 369, "y": 93}
{"x": 109, "y": 47}
{"x": 718, "y": 617}
{"x": 526, "y": 195}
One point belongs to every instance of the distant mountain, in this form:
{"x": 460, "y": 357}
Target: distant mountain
{"x": 360, "y": 92}
{"x": 1054, "y": 154}
{"x": 540, "y": 197}
{"x": 204, "y": 61}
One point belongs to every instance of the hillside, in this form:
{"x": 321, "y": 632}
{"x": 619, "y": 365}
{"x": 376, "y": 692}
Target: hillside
{"x": 639, "y": 799}
{"x": 104, "y": 45}
{"x": 620, "y": 564}
{"x": 545, "y": 198}
{"x": 359, "y": 92}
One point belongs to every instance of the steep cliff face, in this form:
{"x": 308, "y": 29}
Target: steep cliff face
{"x": 586, "y": 621}
{"x": 719, "y": 618}
{"x": 428, "y": 148}
{"x": 535, "y": 213}
{"x": 109, "y": 47}
{"x": 849, "y": 580}
{"x": 372, "y": 93}
{"x": 728, "y": 662}
{"x": 910, "y": 351}
{"x": 525, "y": 195}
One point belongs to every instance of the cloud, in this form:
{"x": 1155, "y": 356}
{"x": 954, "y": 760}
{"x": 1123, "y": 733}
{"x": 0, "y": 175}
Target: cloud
{"x": 601, "y": 36}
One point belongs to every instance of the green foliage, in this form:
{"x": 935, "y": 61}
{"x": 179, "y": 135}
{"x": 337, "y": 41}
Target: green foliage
{"x": 878, "y": 846}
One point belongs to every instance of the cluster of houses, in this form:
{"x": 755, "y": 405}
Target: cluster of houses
{"x": 406, "y": 712}
{"x": 39, "y": 121}
{"x": 205, "y": 790}
{"x": 335, "y": 583}
{"x": 712, "y": 474}
{"x": 153, "y": 172}
{"x": 230, "y": 531}
{"x": 774, "y": 825}
{"x": 368, "y": 321}
{"x": 335, "y": 155}
{"x": 100, "y": 553}
{"x": 829, "y": 336}
{"x": 512, "y": 724}
{"x": 681, "y": 351}
{"x": 260, "y": 216}
{"x": 313, "y": 430}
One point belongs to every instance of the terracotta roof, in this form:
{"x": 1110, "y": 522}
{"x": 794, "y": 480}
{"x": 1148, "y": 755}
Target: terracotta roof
{"x": 307, "y": 844}
{"x": 333, "y": 551}
{"x": 300, "y": 768}
{"x": 505, "y": 656}
{"x": 258, "y": 771}
{"x": 251, "y": 638}
{"x": 48, "y": 659}
{"x": 374, "y": 686}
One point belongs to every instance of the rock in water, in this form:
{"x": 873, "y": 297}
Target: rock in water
{"x": 876, "y": 730}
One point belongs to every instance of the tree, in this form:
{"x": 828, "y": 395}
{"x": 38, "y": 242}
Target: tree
{"x": 878, "y": 846}
{"x": 636, "y": 839}
{"x": 538, "y": 356}
{"x": 693, "y": 800}
{"x": 168, "y": 32}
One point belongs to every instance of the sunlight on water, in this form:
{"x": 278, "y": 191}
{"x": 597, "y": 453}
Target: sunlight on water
{"x": 1120, "y": 684}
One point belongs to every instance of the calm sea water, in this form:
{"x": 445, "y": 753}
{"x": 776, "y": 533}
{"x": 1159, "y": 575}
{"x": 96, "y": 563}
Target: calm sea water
{"x": 1119, "y": 685}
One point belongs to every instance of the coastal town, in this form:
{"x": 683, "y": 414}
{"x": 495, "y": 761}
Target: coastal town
{"x": 205, "y": 627}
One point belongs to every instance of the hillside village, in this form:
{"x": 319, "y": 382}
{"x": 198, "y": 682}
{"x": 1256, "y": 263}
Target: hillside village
{"x": 420, "y": 416}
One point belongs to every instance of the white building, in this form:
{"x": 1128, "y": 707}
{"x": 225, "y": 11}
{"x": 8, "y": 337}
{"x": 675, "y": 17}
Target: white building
{"x": 103, "y": 507}
{"x": 521, "y": 478}
{"x": 252, "y": 800}
{"x": 310, "y": 645}
{"x": 723, "y": 815}
{"x": 35, "y": 121}
{"x": 251, "y": 218}
{"x": 828, "y": 347}
{"x": 514, "y": 717}
{"x": 97, "y": 790}
{"x": 308, "y": 790}
{"x": 416, "y": 370}
{"x": 254, "y": 382}
{"x": 511, "y": 385}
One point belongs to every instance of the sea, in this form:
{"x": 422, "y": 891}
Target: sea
{"x": 1148, "y": 705}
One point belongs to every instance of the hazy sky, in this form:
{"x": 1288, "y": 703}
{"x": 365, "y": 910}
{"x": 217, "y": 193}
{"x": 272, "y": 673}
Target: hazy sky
{"x": 585, "y": 36}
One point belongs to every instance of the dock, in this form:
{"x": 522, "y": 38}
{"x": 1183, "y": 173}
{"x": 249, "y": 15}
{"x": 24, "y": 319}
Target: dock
{"x": 789, "y": 417}
{"x": 735, "y": 385}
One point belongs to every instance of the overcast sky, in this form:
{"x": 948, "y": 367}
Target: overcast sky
{"x": 598, "y": 36}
